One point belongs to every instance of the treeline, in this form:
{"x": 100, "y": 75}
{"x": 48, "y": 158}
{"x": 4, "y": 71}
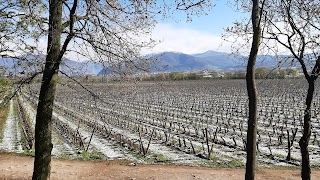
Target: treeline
{"x": 261, "y": 73}
{"x": 176, "y": 76}
{"x": 266, "y": 73}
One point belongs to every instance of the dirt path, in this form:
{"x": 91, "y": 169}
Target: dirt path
{"x": 17, "y": 167}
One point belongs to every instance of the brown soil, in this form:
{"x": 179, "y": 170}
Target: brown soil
{"x": 18, "y": 167}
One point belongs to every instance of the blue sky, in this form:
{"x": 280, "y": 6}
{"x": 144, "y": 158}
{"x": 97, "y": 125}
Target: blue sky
{"x": 200, "y": 35}
{"x": 219, "y": 17}
{"x": 203, "y": 33}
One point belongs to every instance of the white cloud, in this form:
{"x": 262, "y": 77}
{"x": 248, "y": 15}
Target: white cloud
{"x": 185, "y": 40}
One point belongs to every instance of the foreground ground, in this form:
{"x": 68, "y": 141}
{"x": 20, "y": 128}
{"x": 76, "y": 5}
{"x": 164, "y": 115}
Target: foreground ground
{"x": 18, "y": 167}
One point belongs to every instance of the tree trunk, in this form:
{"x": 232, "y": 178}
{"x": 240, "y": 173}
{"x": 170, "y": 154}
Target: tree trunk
{"x": 252, "y": 93}
{"x": 289, "y": 147}
{"x": 304, "y": 141}
{"x": 43, "y": 145}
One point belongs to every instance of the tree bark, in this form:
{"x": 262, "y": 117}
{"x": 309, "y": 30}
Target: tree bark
{"x": 304, "y": 141}
{"x": 252, "y": 93}
{"x": 43, "y": 145}
{"x": 289, "y": 147}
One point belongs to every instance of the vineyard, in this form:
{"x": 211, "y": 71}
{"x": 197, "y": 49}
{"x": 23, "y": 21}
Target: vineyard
{"x": 182, "y": 122}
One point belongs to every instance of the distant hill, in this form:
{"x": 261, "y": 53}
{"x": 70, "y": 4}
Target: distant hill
{"x": 164, "y": 62}
{"x": 221, "y": 61}
{"x": 80, "y": 68}
{"x": 210, "y": 60}
{"x": 36, "y": 63}
{"x": 213, "y": 60}
{"x": 172, "y": 61}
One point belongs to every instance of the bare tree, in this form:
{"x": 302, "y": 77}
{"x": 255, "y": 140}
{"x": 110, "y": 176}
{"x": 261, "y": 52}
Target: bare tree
{"x": 20, "y": 22}
{"x": 253, "y": 40}
{"x": 110, "y": 32}
{"x": 292, "y": 27}
{"x": 252, "y": 91}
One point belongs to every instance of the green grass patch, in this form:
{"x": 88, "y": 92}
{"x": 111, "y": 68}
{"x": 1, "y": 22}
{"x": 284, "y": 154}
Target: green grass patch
{"x": 220, "y": 162}
{"x": 64, "y": 156}
{"x": 92, "y": 156}
{"x": 315, "y": 166}
{"x": 138, "y": 155}
{"x": 4, "y": 87}
{"x": 161, "y": 158}
{"x": 4, "y": 82}
{"x": 235, "y": 163}
{"x": 27, "y": 152}
{"x": 3, "y": 117}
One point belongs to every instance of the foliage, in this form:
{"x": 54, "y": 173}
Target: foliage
{"x": 174, "y": 76}
{"x": 260, "y": 73}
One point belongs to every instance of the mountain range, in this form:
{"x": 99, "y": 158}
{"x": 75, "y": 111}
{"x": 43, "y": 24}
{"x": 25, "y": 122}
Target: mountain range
{"x": 209, "y": 60}
{"x": 164, "y": 62}
{"x": 26, "y": 64}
